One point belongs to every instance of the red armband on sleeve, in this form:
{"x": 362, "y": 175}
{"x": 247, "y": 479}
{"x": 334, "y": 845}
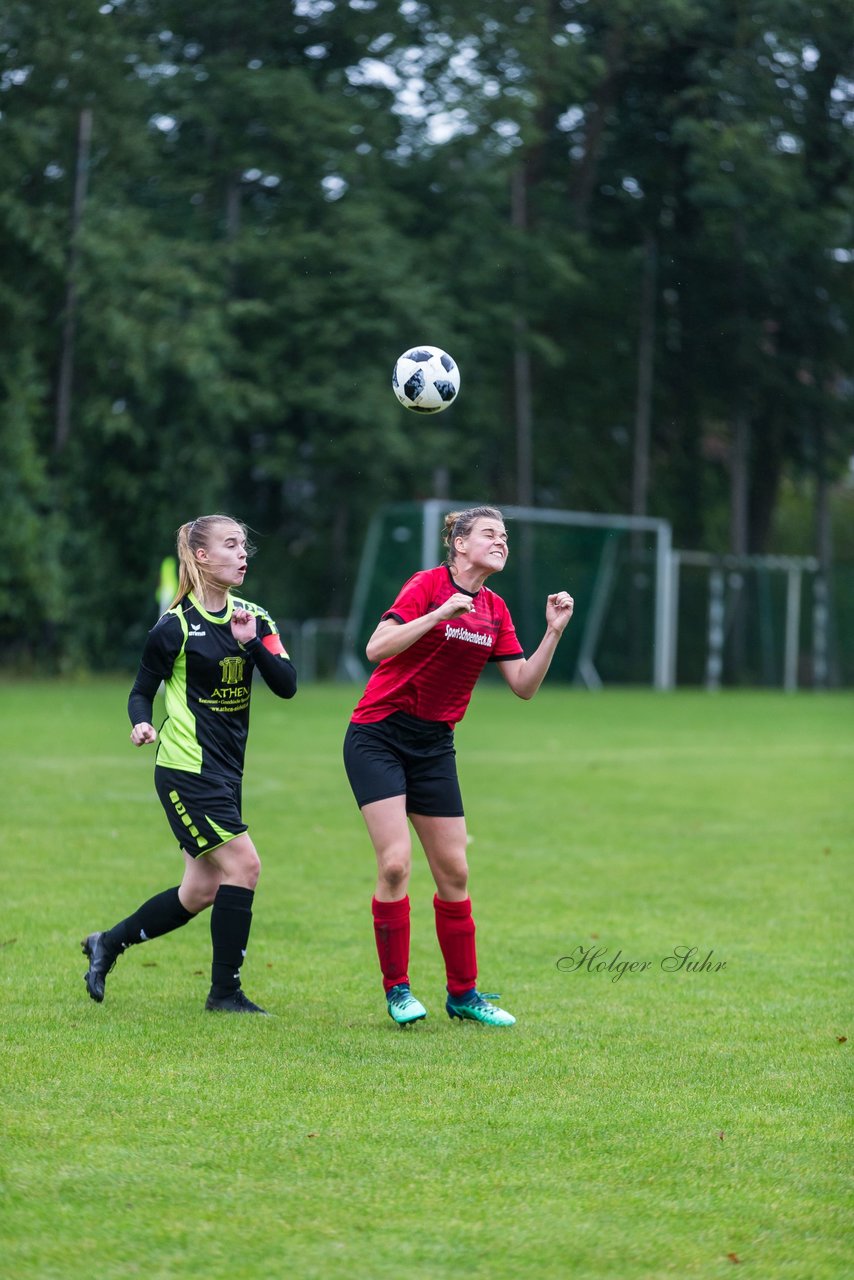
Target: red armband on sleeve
{"x": 273, "y": 644}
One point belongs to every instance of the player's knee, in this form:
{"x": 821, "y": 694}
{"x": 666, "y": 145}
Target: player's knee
{"x": 456, "y": 876}
{"x": 251, "y": 869}
{"x": 394, "y": 871}
{"x": 202, "y": 898}
{"x": 240, "y": 863}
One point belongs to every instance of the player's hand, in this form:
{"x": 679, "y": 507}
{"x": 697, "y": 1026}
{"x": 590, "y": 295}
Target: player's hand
{"x": 559, "y": 609}
{"x": 243, "y": 625}
{"x": 455, "y": 606}
{"x": 142, "y": 733}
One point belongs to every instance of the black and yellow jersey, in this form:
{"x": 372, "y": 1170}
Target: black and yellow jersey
{"x": 207, "y": 676}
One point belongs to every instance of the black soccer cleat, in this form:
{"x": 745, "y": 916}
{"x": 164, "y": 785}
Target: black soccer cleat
{"x": 235, "y": 1002}
{"x": 101, "y": 962}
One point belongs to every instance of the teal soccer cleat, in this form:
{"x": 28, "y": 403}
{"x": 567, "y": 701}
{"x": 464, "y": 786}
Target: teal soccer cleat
{"x": 402, "y": 1005}
{"x": 476, "y": 1007}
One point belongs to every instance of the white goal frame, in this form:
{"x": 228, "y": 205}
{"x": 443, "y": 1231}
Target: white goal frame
{"x": 722, "y": 568}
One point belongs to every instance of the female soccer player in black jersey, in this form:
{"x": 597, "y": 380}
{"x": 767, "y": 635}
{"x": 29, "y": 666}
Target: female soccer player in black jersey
{"x": 204, "y": 649}
{"x": 431, "y": 646}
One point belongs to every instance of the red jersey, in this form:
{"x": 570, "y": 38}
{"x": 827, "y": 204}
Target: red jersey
{"x": 433, "y": 679}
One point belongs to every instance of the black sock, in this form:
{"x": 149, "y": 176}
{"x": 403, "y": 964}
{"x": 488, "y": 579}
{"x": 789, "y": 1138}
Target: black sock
{"x": 231, "y": 920}
{"x": 160, "y": 914}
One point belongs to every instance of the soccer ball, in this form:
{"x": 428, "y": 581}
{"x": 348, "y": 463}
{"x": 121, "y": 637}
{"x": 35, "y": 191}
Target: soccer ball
{"x": 426, "y": 380}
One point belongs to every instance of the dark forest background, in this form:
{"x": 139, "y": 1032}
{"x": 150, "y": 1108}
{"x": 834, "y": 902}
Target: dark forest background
{"x": 631, "y": 224}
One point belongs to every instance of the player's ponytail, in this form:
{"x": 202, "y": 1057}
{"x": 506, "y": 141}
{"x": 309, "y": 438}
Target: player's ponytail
{"x": 458, "y": 524}
{"x": 191, "y": 537}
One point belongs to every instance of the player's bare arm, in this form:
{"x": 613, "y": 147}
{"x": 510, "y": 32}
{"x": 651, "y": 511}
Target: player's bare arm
{"x": 393, "y": 637}
{"x": 525, "y": 675}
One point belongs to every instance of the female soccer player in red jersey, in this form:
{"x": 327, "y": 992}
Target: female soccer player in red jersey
{"x": 204, "y": 649}
{"x": 431, "y": 646}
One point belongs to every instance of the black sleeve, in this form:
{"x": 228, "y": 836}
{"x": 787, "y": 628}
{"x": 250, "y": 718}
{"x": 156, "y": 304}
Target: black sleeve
{"x": 278, "y": 671}
{"x": 161, "y": 649}
{"x": 141, "y": 700}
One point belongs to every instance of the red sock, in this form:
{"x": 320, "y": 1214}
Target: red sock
{"x": 455, "y": 931}
{"x": 391, "y": 930}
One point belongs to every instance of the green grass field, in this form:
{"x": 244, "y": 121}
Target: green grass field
{"x": 632, "y": 1125}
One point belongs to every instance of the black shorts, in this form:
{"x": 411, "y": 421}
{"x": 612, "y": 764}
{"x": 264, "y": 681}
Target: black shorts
{"x": 404, "y": 756}
{"x": 202, "y": 812}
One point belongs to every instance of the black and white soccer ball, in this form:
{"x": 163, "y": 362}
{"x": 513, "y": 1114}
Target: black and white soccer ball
{"x": 426, "y": 379}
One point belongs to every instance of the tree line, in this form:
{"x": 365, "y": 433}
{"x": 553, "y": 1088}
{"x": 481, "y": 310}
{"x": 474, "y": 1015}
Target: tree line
{"x": 220, "y": 224}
